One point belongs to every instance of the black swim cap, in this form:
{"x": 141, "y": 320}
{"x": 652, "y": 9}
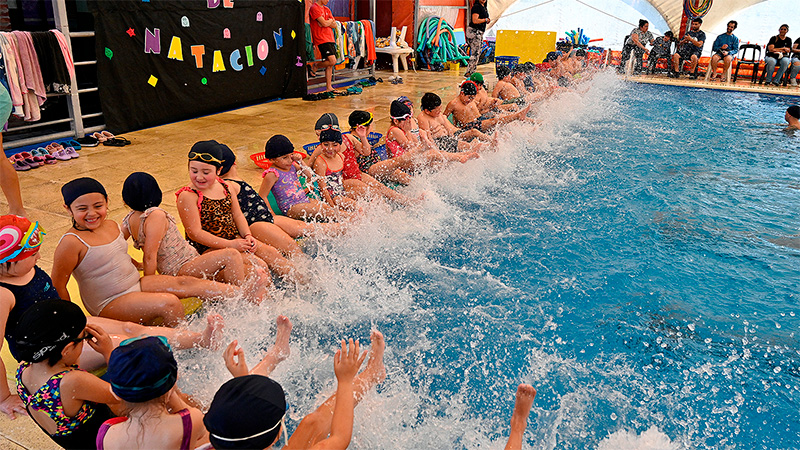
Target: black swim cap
{"x": 469, "y": 88}
{"x": 399, "y": 110}
{"x": 794, "y": 111}
{"x": 81, "y": 186}
{"x": 278, "y": 146}
{"x": 46, "y": 328}
{"x": 142, "y": 369}
{"x": 228, "y": 158}
{"x": 430, "y": 101}
{"x": 208, "y": 152}
{"x": 246, "y": 413}
{"x": 358, "y": 118}
{"x": 140, "y": 191}
{"x": 330, "y": 135}
{"x": 327, "y": 119}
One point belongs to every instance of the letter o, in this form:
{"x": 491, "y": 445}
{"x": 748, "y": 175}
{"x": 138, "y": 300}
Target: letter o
{"x": 263, "y": 49}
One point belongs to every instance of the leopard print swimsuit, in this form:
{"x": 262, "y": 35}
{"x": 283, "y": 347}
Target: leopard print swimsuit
{"x": 216, "y": 217}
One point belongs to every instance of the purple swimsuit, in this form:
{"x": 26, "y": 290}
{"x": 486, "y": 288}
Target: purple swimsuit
{"x": 287, "y": 190}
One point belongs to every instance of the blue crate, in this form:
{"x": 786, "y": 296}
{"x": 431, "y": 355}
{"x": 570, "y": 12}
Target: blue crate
{"x": 508, "y": 61}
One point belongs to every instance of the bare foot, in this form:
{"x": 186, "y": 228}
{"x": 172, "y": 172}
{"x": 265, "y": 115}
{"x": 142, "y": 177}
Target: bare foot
{"x": 523, "y": 402}
{"x": 213, "y": 332}
{"x": 280, "y": 351}
{"x": 375, "y": 372}
{"x": 464, "y": 157}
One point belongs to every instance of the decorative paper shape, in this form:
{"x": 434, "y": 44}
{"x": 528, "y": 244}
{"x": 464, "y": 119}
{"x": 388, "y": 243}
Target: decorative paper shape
{"x": 234, "y": 59}
{"x": 227, "y": 3}
{"x": 130, "y": 32}
{"x": 185, "y": 22}
{"x": 213, "y": 3}
{"x": 278, "y": 35}
{"x": 152, "y": 81}
{"x": 198, "y": 51}
{"x": 248, "y": 50}
{"x": 175, "y": 49}
{"x": 109, "y": 53}
{"x": 294, "y": 35}
{"x": 226, "y": 33}
{"x": 219, "y": 65}
{"x": 299, "y": 62}
{"x": 152, "y": 41}
{"x": 259, "y": 17}
{"x": 263, "y": 70}
{"x": 262, "y": 50}
{"x": 204, "y": 80}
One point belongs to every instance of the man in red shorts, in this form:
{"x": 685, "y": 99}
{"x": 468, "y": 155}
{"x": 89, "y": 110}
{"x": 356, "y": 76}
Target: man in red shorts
{"x": 322, "y": 22}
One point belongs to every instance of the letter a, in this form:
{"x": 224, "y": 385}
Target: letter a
{"x": 219, "y": 65}
{"x": 175, "y": 49}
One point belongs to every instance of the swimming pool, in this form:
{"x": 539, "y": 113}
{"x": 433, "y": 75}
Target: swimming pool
{"x": 633, "y": 259}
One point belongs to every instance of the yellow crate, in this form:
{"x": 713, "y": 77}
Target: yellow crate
{"x": 452, "y": 65}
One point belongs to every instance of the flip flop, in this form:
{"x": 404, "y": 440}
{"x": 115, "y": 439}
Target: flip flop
{"x": 100, "y": 137}
{"x": 73, "y": 143}
{"x": 87, "y": 141}
{"x": 69, "y": 151}
{"x": 107, "y": 134}
{"x": 117, "y": 142}
{"x": 61, "y": 155}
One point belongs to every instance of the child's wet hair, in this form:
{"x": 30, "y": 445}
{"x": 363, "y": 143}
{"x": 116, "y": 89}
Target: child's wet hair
{"x": 430, "y": 101}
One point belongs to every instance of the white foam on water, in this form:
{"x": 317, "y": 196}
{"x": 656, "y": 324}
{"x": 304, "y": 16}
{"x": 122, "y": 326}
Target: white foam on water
{"x": 362, "y": 278}
{"x": 650, "y": 439}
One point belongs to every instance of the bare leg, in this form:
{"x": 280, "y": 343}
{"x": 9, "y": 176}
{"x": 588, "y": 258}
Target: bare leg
{"x": 374, "y": 185}
{"x": 277, "y": 262}
{"x": 227, "y": 262}
{"x": 274, "y": 235}
{"x": 145, "y": 307}
{"x": 298, "y": 228}
{"x": 315, "y": 209}
{"x": 519, "y": 419}
{"x": 180, "y": 338}
{"x": 279, "y": 351}
{"x": 187, "y": 287}
{"x": 317, "y": 425}
{"x": 394, "y": 169}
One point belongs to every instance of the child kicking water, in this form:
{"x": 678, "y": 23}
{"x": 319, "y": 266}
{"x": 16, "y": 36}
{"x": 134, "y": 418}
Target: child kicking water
{"x": 519, "y": 418}
{"x": 212, "y": 216}
{"x": 232, "y": 425}
{"x": 143, "y": 373}
{"x": 281, "y": 179}
{"x": 95, "y": 252}
{"x": 155, "y": 232}
{"x": 23, "y": 284}
{"x": 329, "y": 165}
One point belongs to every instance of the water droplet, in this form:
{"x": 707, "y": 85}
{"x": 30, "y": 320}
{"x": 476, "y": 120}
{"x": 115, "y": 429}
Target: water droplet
{"x": 777, "y": 370}
{"x": 613, "y": 416}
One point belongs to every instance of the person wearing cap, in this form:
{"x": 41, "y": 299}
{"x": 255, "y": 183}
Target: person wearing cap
{"x": 213, "y": 217}
{"x": 254, "y": 207}
{"x": 482, "y": 99}
{"x": 67, "y": 403}
{"x": 94, "y": 251}
{"x": 329, "y": 166}
{"x": 165, "y": 251}
{"x": 466, "y": 113}
{"x": 792, "y": 117}
{"x": 142, "y": 373}
{"x": 282, "y": 180}
{"x": 232, "y": 425}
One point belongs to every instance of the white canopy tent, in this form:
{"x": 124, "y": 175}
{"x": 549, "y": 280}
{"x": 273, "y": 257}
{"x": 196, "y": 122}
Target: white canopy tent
{"x": 670, "y": 10}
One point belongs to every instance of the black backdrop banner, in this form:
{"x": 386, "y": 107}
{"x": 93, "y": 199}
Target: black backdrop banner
{"x": 159, "y": 61}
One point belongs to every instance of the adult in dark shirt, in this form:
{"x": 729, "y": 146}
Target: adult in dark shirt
{"x": 479, "y": 17}
{"x": 795, "y": 62}
{"x": 779, "y": 51}
{"x": 689, "y": 48}
{"x": 662, "y": 48}
{"x": 635, "y": 45}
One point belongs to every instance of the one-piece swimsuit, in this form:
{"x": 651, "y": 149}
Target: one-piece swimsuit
{"x": 287, "y": 189}
{"x": 39, "y": 288}
{"x": 350, "y": 169}
{"x": 186, "y": 421}
{"x": 253, "y": 206}
{"x": 173, "y": 252}
{"x": 333, "y": 180}
{"x": 394, "y": 147}
{"x": 216, "y": 216}
{"x": 77, "y": 432}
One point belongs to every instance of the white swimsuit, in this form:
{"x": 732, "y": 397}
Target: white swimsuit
{"x": 105, "y": 273}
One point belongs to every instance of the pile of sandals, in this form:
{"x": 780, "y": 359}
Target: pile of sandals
{"x": 105, "y": 138}
{"x": 355, "y": 89}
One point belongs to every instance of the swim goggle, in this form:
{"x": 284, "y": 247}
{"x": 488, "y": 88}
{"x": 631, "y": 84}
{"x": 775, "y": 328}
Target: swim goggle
{"x": 30, "y": 240}
{"x": 403, "y": 117}
{"x": 366, "y": 123}
{"x": 329, "y": 127}
{"x": 205, "y": 157}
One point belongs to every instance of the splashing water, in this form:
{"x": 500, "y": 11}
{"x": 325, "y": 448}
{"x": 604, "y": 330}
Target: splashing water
{"x": 634, "y": 258}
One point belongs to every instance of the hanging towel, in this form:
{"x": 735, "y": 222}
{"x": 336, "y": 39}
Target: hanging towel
{"x": 12, "y": 74}
{"x": 30, "y": 64}
{"x": 51, "y": 62}
{"x": 62, "y": 42}
{"x": 369, "y": 37}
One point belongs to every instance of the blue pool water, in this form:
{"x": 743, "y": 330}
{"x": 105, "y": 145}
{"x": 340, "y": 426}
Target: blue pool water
{"x": 635, "y": 259}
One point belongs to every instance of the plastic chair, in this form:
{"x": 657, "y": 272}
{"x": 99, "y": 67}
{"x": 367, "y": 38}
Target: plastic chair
{"x": 396, "y": 51}
{"x": 667, "y": 60}
{"x": 726, "y": 74}
{"x": 754, "y": 60}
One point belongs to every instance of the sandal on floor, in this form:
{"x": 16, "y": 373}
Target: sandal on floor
{"x": 72, "y": 143}
{"x": 61, "y": 155}
{"x": 19, "y": 163}
{"x": 107, "y": 134}
{"x": 69, "y": 151}
{"x": 87, "y": 141}
{"x": 117, "y": 142}
{"x": 100, "y": 138}
{"x": 41, "y": 151}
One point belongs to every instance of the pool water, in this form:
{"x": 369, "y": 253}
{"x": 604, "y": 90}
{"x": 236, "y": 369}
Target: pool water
{"x": 635, "y": 259}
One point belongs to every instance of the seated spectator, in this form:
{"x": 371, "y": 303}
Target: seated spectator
{"x": 725, "y": 47}
{"x": 662, "y": 47}
{"x": 690, "y": 47}
{"x": 795, "y": 63}
{"x": 779, "y": 50}
{"x": 635, "y": 44}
